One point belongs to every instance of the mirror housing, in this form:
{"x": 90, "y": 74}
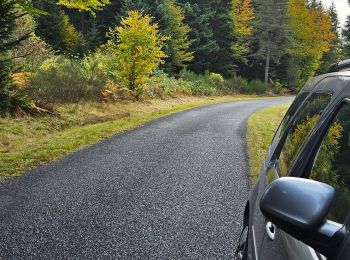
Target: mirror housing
{"x": 300, "y": 207}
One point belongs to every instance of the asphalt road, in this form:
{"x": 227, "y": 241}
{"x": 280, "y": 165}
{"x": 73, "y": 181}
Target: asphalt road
{"x": 174, "y": 188}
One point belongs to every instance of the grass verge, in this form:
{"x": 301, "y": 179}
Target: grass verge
{"x": 261, "y": 129}
{"x": 28, "y": 142}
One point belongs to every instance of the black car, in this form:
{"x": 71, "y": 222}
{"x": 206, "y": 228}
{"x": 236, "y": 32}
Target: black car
{"x": 300, "y": 206}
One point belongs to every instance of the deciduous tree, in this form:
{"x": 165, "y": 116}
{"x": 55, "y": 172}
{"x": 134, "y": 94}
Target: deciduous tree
{"x": 178, "y": 44}
{"x": 139, "y": 49}
{"x": 312, "y": 38}
{"x": 242, "y": 15}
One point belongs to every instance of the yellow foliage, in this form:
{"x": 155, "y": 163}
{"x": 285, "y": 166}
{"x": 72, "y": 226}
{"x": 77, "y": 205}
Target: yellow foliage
{"x": 312, "y": 29}
{"x": 139, "y": 49}
{"x": 243, "y": 13}
{"x": 84, "y": 5}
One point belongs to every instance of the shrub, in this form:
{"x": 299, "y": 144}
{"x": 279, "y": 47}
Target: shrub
{"x": 238, "y": 84}
{"x": 259, "y": 87}
{"x": 161, "y": 85}
{"x": 203, "y": 85}
{"x": 63, "y": 80}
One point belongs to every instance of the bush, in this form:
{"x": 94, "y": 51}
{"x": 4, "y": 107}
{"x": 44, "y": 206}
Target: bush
{"x": 162, "y": 85}
{"x": 203, "y": 85}
{"x": 63, "y": 80}
{"x": 238, "y": 84}
{"x": 259, "y": 87}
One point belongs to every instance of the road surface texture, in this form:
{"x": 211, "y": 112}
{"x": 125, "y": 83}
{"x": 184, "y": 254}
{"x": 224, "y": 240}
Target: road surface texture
{"x": 174, "y": 188}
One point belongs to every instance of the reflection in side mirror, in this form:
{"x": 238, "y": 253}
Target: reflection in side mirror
{"x": 300, "y": 207}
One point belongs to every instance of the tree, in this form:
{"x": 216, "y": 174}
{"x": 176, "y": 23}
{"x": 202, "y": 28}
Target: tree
{"x": 139, "y": 49}
{"x": 271, "y": 30}
{"x": 84, "y": 5}
{"x": 73, "y": 41}
{"x": 31, "y": 52}
{"x": 242, "y": 15}
{"x": 312, "y": 37}
{"x": 10, "y": 97}
{"x": 335, "y": 53}
{"x": 178, "y": 44}
{"x": 346, "y": 37}
{"x": 203, "y": 44}
{"x": 50, "y": 27}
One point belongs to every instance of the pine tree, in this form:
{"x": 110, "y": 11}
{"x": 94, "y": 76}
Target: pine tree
{"x": 50, "y": 27}
{"x": 203, "y": 44}
{"x": 271, "y": 30}
{"x": 346, "y": 37}
{"x": 10, "y": 97}
{"x": 178, "y": 45}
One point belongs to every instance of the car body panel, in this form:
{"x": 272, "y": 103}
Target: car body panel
{"x": 285, "y": 246}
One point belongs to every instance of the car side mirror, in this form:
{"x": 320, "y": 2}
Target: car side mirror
{"x": 300, "y": 207}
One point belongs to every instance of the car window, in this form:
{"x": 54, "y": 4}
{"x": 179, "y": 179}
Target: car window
{"x": 291, "y": 111}
{"x": 332, "y": 164}
{"x": 304, "y": 122}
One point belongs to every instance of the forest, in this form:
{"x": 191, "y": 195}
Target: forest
{"x": 68, "y": 51}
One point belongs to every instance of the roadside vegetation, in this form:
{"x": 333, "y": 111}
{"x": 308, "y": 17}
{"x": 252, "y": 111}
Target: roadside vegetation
{"x": 74, "y": 69}
{"x": 78, "y": 125}
{"x": 261, "y": 129}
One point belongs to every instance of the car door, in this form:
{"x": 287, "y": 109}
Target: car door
{"x": 276, "y": 244}
{"x": 331, "y": 164}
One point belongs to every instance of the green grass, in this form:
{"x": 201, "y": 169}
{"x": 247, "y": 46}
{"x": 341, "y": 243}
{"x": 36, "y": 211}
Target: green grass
{"x": 261, "y": 128}
{"x": 28, "y": 142}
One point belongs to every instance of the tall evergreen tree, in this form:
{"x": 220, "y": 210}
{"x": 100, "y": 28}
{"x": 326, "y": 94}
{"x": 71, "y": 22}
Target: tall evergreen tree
{"x": 203, "y": 44}
{"x": 271, "y": 30}
{"x": 346, "y": 37}
{"x": 50, "y": 27}
{"x": 10, "y": 97}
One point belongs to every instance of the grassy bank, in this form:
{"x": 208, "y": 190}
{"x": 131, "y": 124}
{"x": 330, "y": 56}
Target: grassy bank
{"x": 27, "y": 142}
{"x": 261, "y": 128}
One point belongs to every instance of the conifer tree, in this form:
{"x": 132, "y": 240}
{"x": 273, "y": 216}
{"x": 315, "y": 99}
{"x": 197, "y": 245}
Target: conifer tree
{"x": 271, "y": 30}
{"x": 346, "y": 37}
{"x": 203, "y": 44}
{"x": 10, "y": 97}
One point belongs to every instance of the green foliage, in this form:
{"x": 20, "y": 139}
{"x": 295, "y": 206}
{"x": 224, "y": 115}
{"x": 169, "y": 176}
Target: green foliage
{"x": 271, "y": 32}
{"x": 178, "y": 44}
{"x": 11, "y": 99}
{"x": 203, "y": 44}
{"x": 73, "y": 41}
{"x": 162, "y": 85}
{"x": 346, "y": 36}
{"x": 62, "y": 80}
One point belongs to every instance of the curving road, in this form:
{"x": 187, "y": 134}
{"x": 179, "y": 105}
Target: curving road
{"x": 172, "y": 189}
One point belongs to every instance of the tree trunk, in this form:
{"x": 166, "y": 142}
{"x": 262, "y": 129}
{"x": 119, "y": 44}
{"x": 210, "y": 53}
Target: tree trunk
{"x": 267, "y": 65}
